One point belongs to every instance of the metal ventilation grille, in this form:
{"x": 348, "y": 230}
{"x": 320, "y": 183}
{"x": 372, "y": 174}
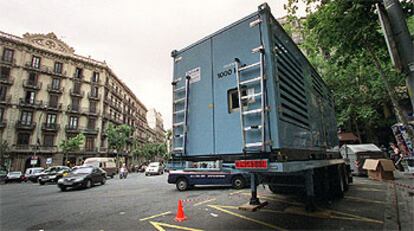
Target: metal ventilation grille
{"x": 317, "y": 84}
{"x": 293, "y": 103}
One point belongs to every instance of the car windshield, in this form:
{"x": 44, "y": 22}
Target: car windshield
{"x": 51, "y": 169}
{"x": 82, "y": 171}
{"x": 15, "y": 173}
{"x": 37, "y": 170}
{"x": 154, "y": 165}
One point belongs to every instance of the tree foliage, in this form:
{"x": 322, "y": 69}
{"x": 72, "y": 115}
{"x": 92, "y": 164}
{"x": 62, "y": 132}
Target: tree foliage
{"x": 343, "y": 40}
{"x": 149, "y": 151}
{"x": 4, "y": 151}
{"x": 118, "y": 136}
{"x": 72, "y": 144}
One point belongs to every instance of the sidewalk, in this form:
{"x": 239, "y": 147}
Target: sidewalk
{"x": 403, "y": 199}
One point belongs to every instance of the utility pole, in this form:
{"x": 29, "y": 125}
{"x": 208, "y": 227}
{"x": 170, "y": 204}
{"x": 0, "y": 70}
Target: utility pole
{"x": 404, "y": 48}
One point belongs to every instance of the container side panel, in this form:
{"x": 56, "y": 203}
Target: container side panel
{"x": 196, "y": 62}
{"x": 236, "y": 42}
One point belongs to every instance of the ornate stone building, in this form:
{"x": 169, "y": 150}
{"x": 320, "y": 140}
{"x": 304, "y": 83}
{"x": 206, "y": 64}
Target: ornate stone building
{"x": 48, "y": 94}
{"x": 156, "y": 123}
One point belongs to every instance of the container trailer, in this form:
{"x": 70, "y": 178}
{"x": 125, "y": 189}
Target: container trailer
{"x": 247, "y": 95}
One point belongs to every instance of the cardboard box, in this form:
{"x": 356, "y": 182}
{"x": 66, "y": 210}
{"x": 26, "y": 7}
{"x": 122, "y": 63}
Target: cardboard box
{"x": 381, "y": 169}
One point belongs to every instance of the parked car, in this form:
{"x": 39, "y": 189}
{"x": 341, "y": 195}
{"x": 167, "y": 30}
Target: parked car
{"x": 83, "y": 177}
{"x": 107, "y": 164}
{"x": 356, "y": 154}
{"x": 15, "y": 176}
{"x": 142, "y": 168}
{"x": 154, "y": 168}
{"x": 3, "y": 175}
{"x": 53, "y": 174}
{"x": 33, "y": 174}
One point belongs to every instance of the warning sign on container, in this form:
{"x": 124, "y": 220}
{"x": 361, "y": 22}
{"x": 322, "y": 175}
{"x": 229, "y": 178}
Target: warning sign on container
{"x": 195, "y": 75}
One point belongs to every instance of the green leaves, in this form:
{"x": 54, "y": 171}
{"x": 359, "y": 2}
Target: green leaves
{"x": 149, "y": 151}
{"x": 72, "y": 144}
{"x": 118, "y": 136}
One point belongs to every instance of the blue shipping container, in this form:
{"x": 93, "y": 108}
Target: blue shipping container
{"x": 287, "y": 111}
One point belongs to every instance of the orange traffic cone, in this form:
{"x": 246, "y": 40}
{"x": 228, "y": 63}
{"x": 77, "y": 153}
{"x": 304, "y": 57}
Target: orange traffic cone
{"x": 180, "y": 212}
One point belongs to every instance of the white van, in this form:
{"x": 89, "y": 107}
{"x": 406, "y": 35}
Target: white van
{"x": 106, "y": 163}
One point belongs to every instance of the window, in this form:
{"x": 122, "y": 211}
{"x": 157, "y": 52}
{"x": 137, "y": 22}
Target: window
{"x": 53, "y": 101}
{"x": 3, "y": 92}
{"x": 8, "y": 55}
{"x": 23, "y": 138}
{"x": 5, "y": 73}
{"x": 92, "y": 107}
{"x": 48, "y": 140}
{"x": 75, "y": 103}
{"x": 94, "y": 91}
{"x": 90, "y": 143}
{"x": 36, "y": 62}
{"x": 58, "y": 68}
{"x": 55, "y": 84}
{"x": 1, "y": 114}
{"x": 78, "y": 73}
{"x": 91, "y": 123}
{"x": 73, "y": 122}
{"x": 30, "y": 97}
{"x": 233, "y": 99}
{"x": 95, "y": 77}
{"x": 26, "y": 117}
{"x": 32, "y": 79}
{"x": 51, "y": 119}
{"x": 76, "y": 87}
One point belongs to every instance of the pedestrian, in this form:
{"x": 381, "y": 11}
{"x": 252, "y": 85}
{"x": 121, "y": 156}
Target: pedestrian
{"x": 397, "y": 157}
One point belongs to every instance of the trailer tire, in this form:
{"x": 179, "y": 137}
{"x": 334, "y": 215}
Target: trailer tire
{"x": 345, "y": 176}
{"x": 182, "y": 184}
{"x": 238, "y": 182}
{"x": 338, "y": 183}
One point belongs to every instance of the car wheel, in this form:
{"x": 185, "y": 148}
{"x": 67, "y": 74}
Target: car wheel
{"x": 146, "y": 174}
{"x": 62, "y": 188}
{"x": 238, "y": 182}
{"x": 88, "y": 184}
{"x": 41, "y": 183}
{"x": 103, "y": 181}
{"x": 182, "y": 184}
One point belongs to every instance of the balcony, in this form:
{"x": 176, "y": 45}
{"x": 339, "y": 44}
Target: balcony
{"x": 5, "y": 100}
{"x": 45, "y": 69}
{"x": 91, "y": 150}
{"x": 59, "y": 90}
{"x": 10, "y": 62}
{"x": 72, "y": 129}
{"x": 78, "y": 129}
{"x": 25, "y": 126}
{"x": 94, "y": 97}
{"x": 50, "y": 127}
{"x": 77, "y": 93}
{"x": 114, "y": 120}
{"x": 90, "y": 131}
{"x": 30, "y": 103}
{"x": 74, "y": 109}
{"x": 77, "y": 77}
{"x": 6, "y": 80}
{"x": 32, "y": 85}
{"x": 53, "y": 106}
{"x": 22, "y": 148}
{"x": 3, "y": 123}
{"x": 89, "y": 111}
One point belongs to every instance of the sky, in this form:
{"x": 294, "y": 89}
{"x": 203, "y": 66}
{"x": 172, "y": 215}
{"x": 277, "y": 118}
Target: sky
{"x": 134, "y": 37}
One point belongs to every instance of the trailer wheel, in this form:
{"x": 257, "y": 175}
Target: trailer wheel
{"x": 182, "y": 184}
{"x": 338, "y": 182}
{"x": 238, "y": 182}
{"x": 345, "y": 176}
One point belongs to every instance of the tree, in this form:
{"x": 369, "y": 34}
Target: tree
{"x": 4, "y": 152}
{"x": 118, "y": 137}
{"x": 72, "y": 144}
{"x": 344, "y": 41}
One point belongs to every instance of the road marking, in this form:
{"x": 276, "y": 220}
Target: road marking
{"x": 159, "y": 226}
{"x": 364, "y": 200}
{"x": 154, "y": 216}
{"x": 203, "y": 202}
{"x": 221, "y": 208}
{"x": 237, "y": 192}
{"x": 277, "y": 200}
{"x": 367, "y": 189}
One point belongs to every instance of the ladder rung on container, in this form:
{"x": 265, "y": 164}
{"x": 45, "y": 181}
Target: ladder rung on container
{"x": 178, "y": 149}
{"x": 180, "y": 134}
{"x": 179, "y": 100}
{"x": 253, "y": 127}
{"x": 179, "y": 89}
{"x": 252, "y": 111}
{"x": 249, "y": 66}
{"x": 254, "y": 145}
{"x": 252, "y": 95}
{"x": 251, "y": 80}
{"x": 178, "y": 124}
{"x": 179, "y": 112}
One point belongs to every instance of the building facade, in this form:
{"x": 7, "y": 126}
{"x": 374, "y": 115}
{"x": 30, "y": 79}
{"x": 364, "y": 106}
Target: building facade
{"x": 48, "y": 94}
{"x": 156, "y": 124}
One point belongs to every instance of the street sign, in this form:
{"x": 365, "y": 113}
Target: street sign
{"x": 33, "y": 162}
{"x": 49, "y": 161}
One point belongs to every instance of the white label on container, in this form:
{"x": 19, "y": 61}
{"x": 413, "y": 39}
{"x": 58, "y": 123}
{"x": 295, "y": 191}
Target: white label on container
{"x": 195, "y": 74}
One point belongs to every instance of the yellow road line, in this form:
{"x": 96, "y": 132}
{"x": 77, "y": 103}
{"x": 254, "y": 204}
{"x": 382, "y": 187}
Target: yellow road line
{"x": 154, "y": 216}
{"x": 220, "y": 208}
{"x": 203, "y": 202}
{"x": 364, "y": 200}
{"x": 159, "y": 226}
{"x": 237, "y": 192}
{"x": 285, "y": 201}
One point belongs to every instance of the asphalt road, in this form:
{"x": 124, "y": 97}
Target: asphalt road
{"x": 149, "y": 203}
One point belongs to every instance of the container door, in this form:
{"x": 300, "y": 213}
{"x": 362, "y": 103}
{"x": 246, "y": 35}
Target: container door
{"x": 196, "y": 63}
{"x": 236, "y": 42}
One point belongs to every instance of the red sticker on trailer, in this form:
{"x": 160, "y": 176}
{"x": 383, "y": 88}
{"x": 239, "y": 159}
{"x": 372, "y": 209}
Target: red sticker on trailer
{"x": 251, "y": 164}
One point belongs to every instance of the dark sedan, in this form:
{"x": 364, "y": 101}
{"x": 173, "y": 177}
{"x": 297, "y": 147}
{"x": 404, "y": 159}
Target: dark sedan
{"x": 83, "y": 177}
{"x": 53, "y": 174}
